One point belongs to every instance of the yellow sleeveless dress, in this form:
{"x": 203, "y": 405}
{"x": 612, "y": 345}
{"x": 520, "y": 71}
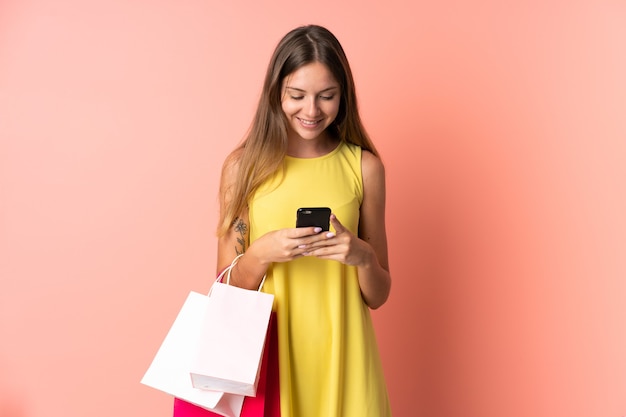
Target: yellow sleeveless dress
{"x": 328, "y": 356}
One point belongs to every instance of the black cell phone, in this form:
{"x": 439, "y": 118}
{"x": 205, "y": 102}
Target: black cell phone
{"x": 313, "y": 216}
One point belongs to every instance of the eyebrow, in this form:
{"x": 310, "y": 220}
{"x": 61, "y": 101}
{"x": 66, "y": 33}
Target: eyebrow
{"x": 304, "y": 91}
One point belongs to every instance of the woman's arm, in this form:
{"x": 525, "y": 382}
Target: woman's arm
{"x": 237, "y": 239}
{"x": 368, "y": 250}
{"x": 276, "y": 246}
{"x": 374, "y": 276}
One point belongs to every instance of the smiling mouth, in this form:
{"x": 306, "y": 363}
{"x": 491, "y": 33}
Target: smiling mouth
{"x": 308, "y": 122}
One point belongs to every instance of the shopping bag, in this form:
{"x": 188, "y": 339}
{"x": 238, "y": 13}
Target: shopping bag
{"x": 169, "y": 370}
{"x": 231, "y": 340}
{"x": 267, "y": 400}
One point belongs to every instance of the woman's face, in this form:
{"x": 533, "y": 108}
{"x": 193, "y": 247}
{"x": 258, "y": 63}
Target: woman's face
{"x": 310, "y": 100}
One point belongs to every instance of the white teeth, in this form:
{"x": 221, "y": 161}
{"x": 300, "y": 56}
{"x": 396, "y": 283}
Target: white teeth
{"x": 307, "y": 122}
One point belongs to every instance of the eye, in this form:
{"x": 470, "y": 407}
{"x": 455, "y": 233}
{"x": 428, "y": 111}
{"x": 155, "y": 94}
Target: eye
{"x": 297, "y": 97}
{"x": 327, "y": 97}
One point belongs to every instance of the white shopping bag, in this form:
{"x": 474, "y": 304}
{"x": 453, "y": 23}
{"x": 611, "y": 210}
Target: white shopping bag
{"x": 230, "y": 346}
{"x": 169, "y": 371}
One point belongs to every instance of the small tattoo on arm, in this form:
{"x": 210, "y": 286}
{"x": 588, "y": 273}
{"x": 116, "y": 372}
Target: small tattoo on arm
{"x": 242, "y": 229}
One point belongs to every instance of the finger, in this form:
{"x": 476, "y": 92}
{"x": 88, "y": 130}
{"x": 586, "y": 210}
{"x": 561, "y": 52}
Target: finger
{"x": 304, "y": 231}
{"x": 339, "y": 228}
{"x": 324, "y": 252}
{"x": 315, "y": 241}
{"x": 320, "y": 241}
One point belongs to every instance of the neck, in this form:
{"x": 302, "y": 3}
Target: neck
{"x": 311, "y": 148}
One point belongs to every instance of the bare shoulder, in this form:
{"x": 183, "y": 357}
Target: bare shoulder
{"x": 372, "y": 168}
{"x": 372, "y": 222}
{"x": 231, "y": 164}
{"x": 230, "y": 168}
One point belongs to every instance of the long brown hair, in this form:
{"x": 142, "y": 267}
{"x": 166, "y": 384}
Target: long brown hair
{"x": 262, "y": 151}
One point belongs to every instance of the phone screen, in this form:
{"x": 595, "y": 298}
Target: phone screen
{"x": 313, "y": 216}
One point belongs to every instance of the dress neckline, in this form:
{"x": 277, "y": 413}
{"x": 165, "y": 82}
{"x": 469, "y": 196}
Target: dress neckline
{"x": 317, "y": 158}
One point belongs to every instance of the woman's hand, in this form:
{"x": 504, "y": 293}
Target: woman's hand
{"x": 284, "y": 245}
{"x": 342, "y": 246}
{"x": 345, "y": 247}
{"x": 281, "y": 245}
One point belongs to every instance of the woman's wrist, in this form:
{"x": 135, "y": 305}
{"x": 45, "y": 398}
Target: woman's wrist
{"x": 249, "y": 270}
{"x": 369, "y": 259}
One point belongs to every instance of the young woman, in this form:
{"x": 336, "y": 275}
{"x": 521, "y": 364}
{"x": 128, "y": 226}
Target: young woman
{"x": 307, "y": 147}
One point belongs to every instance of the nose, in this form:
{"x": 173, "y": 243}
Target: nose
{"x": 312, "y": 108}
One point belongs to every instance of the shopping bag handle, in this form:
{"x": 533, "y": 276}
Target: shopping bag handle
{"x": 229, "y": 268}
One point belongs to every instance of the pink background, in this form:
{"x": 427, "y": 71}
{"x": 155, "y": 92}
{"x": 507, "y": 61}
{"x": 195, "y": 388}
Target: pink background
{"x": 503, "y": 131}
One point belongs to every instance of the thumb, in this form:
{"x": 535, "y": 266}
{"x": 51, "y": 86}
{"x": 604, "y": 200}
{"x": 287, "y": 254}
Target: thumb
{"x": 339, "y": 228}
